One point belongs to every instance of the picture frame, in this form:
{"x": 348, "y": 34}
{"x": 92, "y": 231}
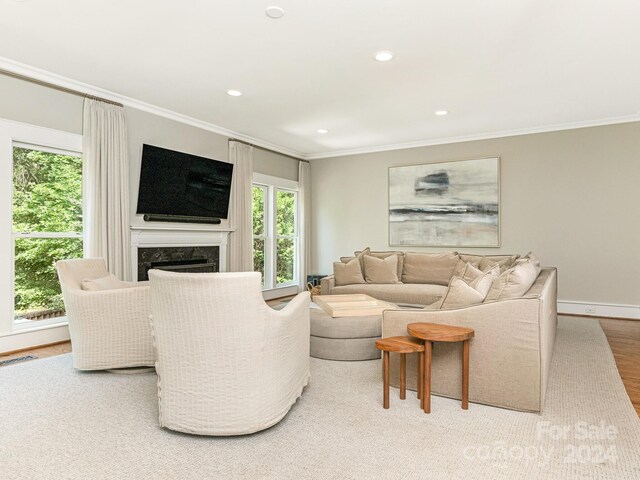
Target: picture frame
{"x": 445, "y": 204}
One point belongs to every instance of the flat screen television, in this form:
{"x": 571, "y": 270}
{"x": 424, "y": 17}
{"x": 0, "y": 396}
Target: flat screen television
{"x": 183, "y": 185}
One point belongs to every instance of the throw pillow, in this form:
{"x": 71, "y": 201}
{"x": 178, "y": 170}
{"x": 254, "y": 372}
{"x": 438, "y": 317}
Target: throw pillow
{"x": 503, "y": 261}
{"x": 434, "y": 268}
{"x": 469, "y": 273}
{"x": 381, "y": 270}
{"x": 400, "y": 255}
{"x": 110, "y": 282}
{"x": 484, "y": 282}
{"x": 515, "y": 281}
{"x": 348, "y": 273}
{"x": 460, "y": 294}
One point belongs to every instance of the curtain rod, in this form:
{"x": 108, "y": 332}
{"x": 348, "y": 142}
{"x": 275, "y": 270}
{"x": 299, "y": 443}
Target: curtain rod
{"x": 267, "y": 149}
{"x": 56, "y": 87}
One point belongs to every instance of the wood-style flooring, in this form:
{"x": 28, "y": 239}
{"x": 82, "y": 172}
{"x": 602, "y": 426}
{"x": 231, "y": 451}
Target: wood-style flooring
{"x": 623, "y": 337}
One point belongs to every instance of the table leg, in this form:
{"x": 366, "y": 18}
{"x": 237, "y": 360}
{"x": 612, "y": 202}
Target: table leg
{"x": 420, "y": 377}
{"x": 465, "y": 375}
{"x": 385, "y": 361}
{"x": 403, "y": 376}
{"x": 427, "y": 377}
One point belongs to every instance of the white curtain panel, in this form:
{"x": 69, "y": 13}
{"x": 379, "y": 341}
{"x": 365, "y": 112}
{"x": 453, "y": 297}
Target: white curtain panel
{"x": 106, "y": 172}
{"x": 304, "y": 221}
{"x": 241, "y": 240}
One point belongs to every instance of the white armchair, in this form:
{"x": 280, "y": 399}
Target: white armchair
{"x": 108, "y": 328}
{"x": 228, "y": 364}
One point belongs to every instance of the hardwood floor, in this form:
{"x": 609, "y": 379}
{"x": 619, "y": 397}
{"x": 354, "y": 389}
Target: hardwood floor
{"x": 623, "y": 337}
{"x": 40, "y": 352}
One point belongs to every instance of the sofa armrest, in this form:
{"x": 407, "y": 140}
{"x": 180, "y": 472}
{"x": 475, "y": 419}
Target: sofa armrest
{"x": 326, "y": 284}
{"x": 505, "y": 355}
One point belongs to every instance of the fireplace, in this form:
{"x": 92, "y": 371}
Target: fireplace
{"x": 184, "y": 248}
{"x": 178, "y": 259}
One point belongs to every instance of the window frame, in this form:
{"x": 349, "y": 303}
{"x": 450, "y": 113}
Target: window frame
{"x": 14, "y": 134}
{"x": 271, "y": 184}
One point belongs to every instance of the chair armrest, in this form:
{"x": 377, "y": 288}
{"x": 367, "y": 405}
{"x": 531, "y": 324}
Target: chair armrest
{"x": 326, "y": 284}
{"x": 296, "y": 308}
{"x": 285, "y": 358}
{"x": 120, "y": 305}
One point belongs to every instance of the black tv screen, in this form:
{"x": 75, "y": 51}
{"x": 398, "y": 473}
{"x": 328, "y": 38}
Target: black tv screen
{"x": 175, "y": 183}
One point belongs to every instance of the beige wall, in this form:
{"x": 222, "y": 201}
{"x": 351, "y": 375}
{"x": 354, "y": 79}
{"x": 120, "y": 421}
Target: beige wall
{"x": 570, "y": 196}
{"x": 274, "y": 164}
{"x": 26, "y": 102}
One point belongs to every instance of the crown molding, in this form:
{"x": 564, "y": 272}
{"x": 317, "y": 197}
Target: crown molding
{"x": 84, "y": 88}
{"x": 475, "y": 137}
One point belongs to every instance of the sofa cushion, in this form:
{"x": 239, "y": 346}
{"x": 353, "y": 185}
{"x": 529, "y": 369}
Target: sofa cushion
{"x": 515, "y": 281}
{"x": 400, "y": 255}
{"x": 381, "y": 270}
{"x": 348, "y": 273}
{"x": 403, "y": 293}
{"x": 503, "y": 261}
{"x": 472, "y": 259}
{"x": 433, "y": 268}
{"x": 110, "y": 282}
{"x": 460, "y": 294}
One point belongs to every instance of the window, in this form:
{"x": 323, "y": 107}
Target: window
{"x": 47, "y": 227}
{"x": 275, "y": 233}
{"x": 41, "y": 197}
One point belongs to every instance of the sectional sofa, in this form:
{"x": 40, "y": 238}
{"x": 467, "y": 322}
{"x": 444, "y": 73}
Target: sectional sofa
{"x": 515, "y": 327}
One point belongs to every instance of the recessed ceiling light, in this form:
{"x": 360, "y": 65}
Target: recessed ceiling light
{"x": 383, "y": 56}
{"x": 441, "y": 113}
{"x": 274, "y": 12}
{"x": 234, "y": 93}
{"x": 322, "y": 130}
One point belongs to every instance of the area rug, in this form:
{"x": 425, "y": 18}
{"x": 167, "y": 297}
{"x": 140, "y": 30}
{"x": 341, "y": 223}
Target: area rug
{"x": 56, "y": 423}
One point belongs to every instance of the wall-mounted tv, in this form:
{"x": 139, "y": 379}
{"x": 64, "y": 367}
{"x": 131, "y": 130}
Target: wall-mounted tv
{"x": 179, "y": 184}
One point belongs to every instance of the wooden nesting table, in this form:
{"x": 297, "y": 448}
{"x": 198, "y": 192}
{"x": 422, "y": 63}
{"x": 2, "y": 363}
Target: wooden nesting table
{"x": 433, "y": 332}
{"x": 402, "y": 346}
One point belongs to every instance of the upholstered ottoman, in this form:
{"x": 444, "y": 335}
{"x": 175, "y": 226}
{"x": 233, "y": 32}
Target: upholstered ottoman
{"x": 344, "y": 338}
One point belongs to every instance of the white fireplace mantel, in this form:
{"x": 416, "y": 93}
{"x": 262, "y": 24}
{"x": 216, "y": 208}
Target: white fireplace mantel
{"x": 170, "y": 236}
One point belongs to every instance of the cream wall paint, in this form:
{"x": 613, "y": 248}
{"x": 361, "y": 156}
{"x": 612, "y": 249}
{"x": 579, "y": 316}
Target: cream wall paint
{"x": 275, "y": 164}
{"x": 33, "y": 104}
{"x": 569, "y": 196}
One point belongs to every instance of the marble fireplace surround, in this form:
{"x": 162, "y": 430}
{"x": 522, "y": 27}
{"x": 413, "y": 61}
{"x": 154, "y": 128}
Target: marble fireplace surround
{"x": 171, "y": 237}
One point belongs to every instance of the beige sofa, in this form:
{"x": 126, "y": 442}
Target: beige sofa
{"x": 510, "y": 354}
{"x": 512, "y": 348}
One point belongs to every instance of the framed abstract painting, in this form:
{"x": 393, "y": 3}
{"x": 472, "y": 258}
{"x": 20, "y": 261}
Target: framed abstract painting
{"x": 447, "y": 204}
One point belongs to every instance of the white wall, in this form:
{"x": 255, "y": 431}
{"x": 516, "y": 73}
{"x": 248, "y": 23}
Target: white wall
{"x": 571, "y": 197}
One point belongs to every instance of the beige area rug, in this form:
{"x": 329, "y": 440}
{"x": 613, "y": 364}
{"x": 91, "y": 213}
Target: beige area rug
{"x": 56, "y": 423}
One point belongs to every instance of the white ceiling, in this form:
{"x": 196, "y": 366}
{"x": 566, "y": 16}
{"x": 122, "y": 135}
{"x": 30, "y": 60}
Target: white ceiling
{"x": 495, "y": 65}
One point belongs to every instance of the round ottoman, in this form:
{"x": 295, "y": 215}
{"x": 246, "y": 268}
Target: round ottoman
{"x": 344, "y": 338}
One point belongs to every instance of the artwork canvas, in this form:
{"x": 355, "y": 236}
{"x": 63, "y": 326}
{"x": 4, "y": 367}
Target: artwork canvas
{"x": 452, "y": 204}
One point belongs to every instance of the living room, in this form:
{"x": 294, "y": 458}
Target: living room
{"x": 320, "y": 109}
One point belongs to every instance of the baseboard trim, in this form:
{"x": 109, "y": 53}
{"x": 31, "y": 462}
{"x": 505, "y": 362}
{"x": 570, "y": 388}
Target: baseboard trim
{"x": 34, "y": 338}
{"x": 601, "y": 310}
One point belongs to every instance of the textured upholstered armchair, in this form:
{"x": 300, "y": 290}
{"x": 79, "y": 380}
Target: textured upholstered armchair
{"x": 108, "y": 328}
{"x": 228, "y": 364}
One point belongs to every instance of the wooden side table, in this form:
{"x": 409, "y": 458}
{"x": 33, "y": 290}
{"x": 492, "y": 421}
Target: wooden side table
{"x": 433, "y": 332}
{"x": 401, "y": 345}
